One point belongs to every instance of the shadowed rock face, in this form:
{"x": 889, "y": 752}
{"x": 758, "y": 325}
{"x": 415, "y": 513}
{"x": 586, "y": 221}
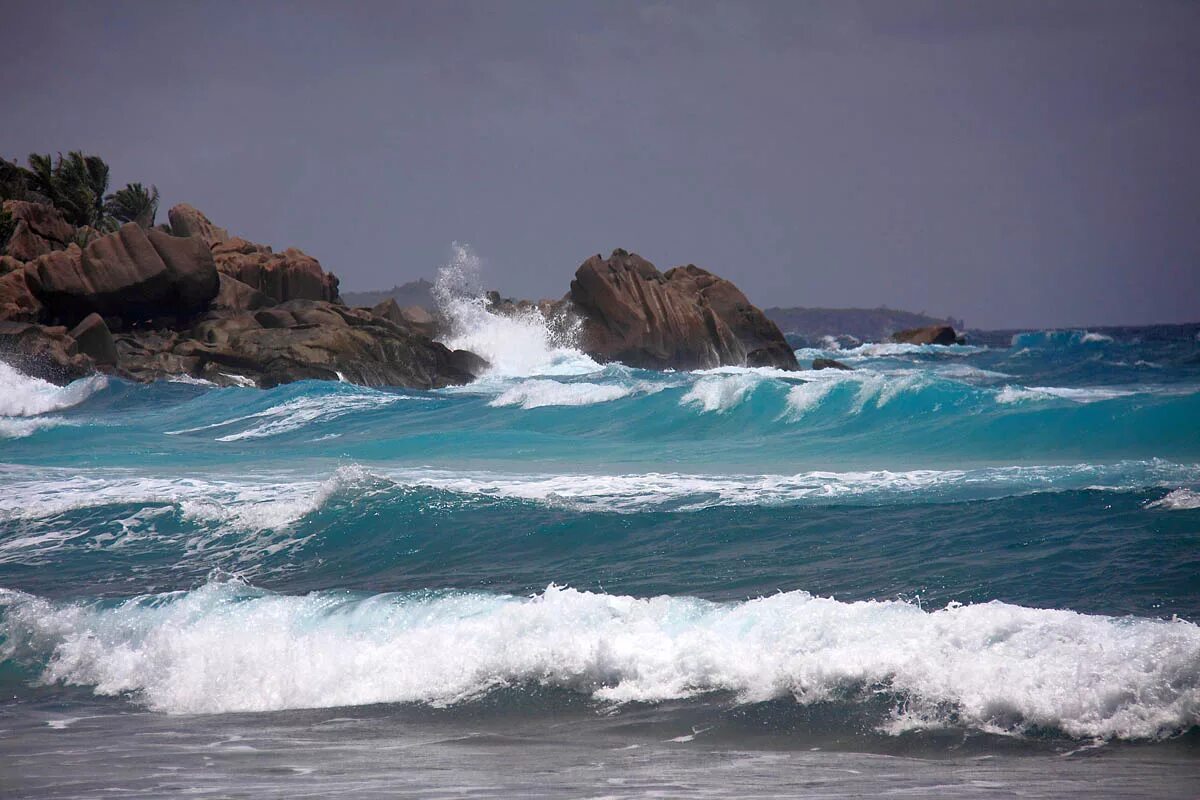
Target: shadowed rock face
{"x": 133, "y": 273}
{"x": 687, "y": 318}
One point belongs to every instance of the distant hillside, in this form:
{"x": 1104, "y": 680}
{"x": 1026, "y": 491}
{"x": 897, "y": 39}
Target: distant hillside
{"x": 865, "y": 324}
{"x": 413, "y": 293}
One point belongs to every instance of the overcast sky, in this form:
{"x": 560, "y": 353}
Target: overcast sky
{"x": 1014, "y": 163}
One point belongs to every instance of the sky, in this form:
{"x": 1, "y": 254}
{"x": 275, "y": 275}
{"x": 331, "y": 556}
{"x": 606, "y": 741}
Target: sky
{"x": 1017, "y": 163}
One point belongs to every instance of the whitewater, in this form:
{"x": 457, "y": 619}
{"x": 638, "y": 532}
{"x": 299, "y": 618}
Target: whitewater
{"x": 947, "y": 571}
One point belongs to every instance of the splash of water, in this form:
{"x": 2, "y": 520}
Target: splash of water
{"x": 524, "y": 343}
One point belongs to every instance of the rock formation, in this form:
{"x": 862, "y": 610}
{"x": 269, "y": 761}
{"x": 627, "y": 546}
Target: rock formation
{"x": 193, "y": 300}
{"x": 687, "y": 318}
{"x": 829, "y": 363}
{"x": 932, "y": 334}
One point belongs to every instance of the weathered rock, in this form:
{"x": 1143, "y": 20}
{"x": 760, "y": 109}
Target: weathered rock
{"x": 298, "y": 340}
{"x": 189, "y": 221}
{"x": 132, "y": 273}
{"x": 40, "y": 229}
{"x": 17, "y": 303}
{"x": 685, "y": 319}
{"x": 94, "y": 340}
{"x": 829, "y": 363}
{"x": 415, "y": 317}
{"x": 43, "y": 352}
{"x": 290, "y": 275}
{"x": 932, "y": 334}
{"x": 237, "y": 296}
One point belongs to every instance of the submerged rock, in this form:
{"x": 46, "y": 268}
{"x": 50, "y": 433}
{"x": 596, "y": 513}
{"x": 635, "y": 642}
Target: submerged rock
{"x": 687, "y": 318}
{"x": 829, "y": 363}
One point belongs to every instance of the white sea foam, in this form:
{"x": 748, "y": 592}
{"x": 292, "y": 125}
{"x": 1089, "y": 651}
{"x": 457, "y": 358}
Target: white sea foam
{"x": 25, "y": 396}
{"x": 993, "y": 666}
{"x": 20, "y": 427}
{"x": 720, "y": 393}
{"x": 276, "y": 500}
{"x": 538, "y": 393}
{"x": 1178, "y": 500}
{"x": 806, "y": 397}
{"x": 520, "y": 345}
{"x": 298, "y": 413}
{"x": 1020, "y": 394}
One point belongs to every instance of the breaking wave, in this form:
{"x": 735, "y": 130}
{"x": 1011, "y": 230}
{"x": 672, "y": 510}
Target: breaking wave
{"x": 992, "y": 666}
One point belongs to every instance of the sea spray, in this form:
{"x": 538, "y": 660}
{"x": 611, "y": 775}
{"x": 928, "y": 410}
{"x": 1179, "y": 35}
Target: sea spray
{"x": 994, "y": 666}
{"x": 519, "y": 344}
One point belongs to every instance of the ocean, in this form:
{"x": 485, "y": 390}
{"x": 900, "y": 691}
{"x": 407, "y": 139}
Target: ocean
{"x": 967, "y": 571}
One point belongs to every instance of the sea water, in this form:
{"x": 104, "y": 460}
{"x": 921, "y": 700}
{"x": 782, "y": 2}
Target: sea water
{"x": 968, "y": 570}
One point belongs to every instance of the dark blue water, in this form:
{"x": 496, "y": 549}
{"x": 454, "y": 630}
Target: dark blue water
{"x": 963, "y": 552}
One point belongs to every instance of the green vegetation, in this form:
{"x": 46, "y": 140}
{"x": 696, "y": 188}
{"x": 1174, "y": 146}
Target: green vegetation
{"x": 77, "y": 185}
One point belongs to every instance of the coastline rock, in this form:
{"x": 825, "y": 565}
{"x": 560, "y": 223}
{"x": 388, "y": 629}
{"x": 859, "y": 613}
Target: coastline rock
{"x": 40, "y": 229}
{"x": 829, "y": 363}
{"x": 237, "y": 296}
{"x": 43, "y": 352}
{"x": 187, "y": 221}
{"x": 298, "y": 340}
{"x": 17, "y": 302}
{"x": 290, "y": 275}
{"x": 132, "y": 273}
{"x": 414, "y": 316}
{"x": 687, "y": 318}
{"x": 932, "y": 334}
{"x": 94, "y": 340}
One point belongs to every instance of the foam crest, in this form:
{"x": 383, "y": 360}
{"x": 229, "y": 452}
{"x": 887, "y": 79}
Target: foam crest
{"x": 720, "y": 393}
{"x": 1178, "y": 500}
{"x": 541, "y": 393}
{"x": 994, "y": 666}
{"x": 24, "y": 396}
{"x": 526, "y": 343}
{"x": 806, "y": 397}
{"x": 1059, "y": 338}
{"x": 1019, "y": 394}
{"x": 298, "y": 413}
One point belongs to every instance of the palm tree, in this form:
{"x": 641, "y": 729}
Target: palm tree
{"x": 75, "y": 185}
{"x": 133, "y": 204}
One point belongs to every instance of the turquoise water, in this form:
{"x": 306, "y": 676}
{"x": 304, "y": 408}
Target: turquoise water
{"x": 997, "y": 542}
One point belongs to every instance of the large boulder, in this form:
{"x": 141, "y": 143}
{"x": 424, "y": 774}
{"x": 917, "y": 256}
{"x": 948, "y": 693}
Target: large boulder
{"x": 290, "y": 275}
{"x": 189, "y": 221}
{"x": 17, "y": 303}
{"x": 44, "y": 352}
{"x": 94, "y": 340}
{"x": 298, "y": 340}
{"x": 132, "y": 273}
{"x": 687, "y": 318}
{"x": 40, "y": 229}
{"x": 236, "y": 296}
{"x": 932, "y": 334}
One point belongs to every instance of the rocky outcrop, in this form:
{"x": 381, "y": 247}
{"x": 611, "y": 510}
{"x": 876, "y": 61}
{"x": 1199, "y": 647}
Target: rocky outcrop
{"x": 17, "y": 303}
{"x": 133, "y": 273}
{"x": 40, "y": 229}
{"x": 189, "y": 221}
{"x": 43, "y": 351}
{"x": 415, "y": 317}
{"x": 297, "y": 340}
{"x": 932, "y": 334}
{"x": 290, "y": 275}
{"x": 95, "y": 341}
{"x": 687, "y": 318}
{"x": 829, "y": 363}
{"x": 233, "y": 295}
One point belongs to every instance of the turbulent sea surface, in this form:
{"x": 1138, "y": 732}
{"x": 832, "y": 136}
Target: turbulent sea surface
{"x": 962, "y": 571}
